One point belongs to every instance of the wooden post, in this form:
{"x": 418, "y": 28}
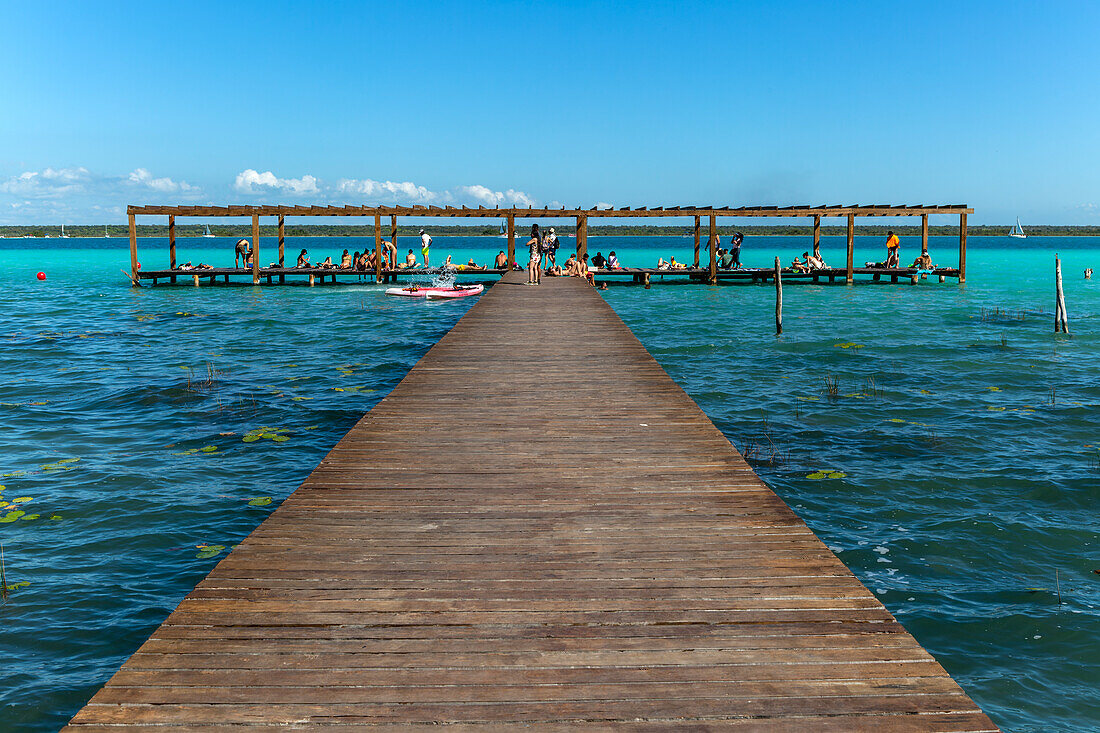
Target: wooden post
{"x": 377, "y": 247}
{"x": 282, "y": 238}
{"x": 196, "y": 279}
{"x": 645, "y": 280}
{"x": 962, "y": 248}
{"x": 696, "y": 262}
{"x": 582, "y": 236}
{"x": 171, "y": 242}
{"x": 393, "y": 239}
{"x": 924, "y": 235}
{"x": 817, "y": 236}
{"x": 851, "y": 245}
{"x": 778, "y": 297}
{"x": 133, "y": 251}
{"x": 713, "y": 278}
{"x": 1061, "y": 321}
{"x": 255, "y": 249}
{"x": 512, "y": 240}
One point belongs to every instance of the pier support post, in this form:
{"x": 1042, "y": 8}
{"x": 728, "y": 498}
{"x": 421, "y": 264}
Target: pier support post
{"x": 713, "y": 276}
{"x": 851, "y": 245}
{"x": 196, "y": 279}
{"x": 282, "y": 239}
{"x": 255, "y": 249}
{"x": 696, "y": 262}
{"x": 172, "y": 243}
{"x": 962, "y": 248}
{"x": 1061, "y": 320}
{"x": 778, "y": 298}
{"x": 645, "y": 280}
{"x": 393, "y": 240}
{"x": 133, "y": 251}
{"x": 582, "y": 236}
{"x": 817, "y": 236}
{"x": 924, "y": 234}
{"x": 377, "y": 249}
{"x": 512, "y": 240}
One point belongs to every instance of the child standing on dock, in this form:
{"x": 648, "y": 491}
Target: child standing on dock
{"x": 534, "y": 264}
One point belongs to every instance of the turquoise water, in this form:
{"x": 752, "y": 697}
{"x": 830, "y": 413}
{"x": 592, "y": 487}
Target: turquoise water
{"x": 967, "y": 502}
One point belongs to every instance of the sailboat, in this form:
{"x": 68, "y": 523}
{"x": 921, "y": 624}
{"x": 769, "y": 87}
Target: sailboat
{"x": 105, "y": 234}
{"x": 503, "y": 231}
{"x": 63, "y": 234}
{"x": 207, "y": 235}
{"x": 1017, "y": 231}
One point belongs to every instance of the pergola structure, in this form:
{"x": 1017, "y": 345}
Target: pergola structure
{"x": 580, "y": 214}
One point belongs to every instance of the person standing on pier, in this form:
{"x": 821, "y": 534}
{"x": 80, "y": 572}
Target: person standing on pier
{"x": 240, "y": 252}
{"x": 534, "y": 264}
{"x": 735, "y": 249}
{"x": 551, "y": 247}
{"x": 893, "y": 244}
{"x": 425, "y": 243}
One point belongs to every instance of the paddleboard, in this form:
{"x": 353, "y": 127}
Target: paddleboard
{"x": 433, "y": 293}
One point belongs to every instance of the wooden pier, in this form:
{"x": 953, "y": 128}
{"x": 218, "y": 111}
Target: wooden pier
{"x": 710, "y": 272}
{"x": 536, "y": 528}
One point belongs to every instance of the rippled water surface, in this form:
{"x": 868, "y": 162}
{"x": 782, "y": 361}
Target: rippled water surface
{"x": 965, "y": 439}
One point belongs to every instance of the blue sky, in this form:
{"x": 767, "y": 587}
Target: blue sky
{"x": 108, "y": 103}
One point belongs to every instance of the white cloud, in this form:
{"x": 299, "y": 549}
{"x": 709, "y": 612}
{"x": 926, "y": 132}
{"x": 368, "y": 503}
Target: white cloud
{"x": 489, "y": 197}
{"x": 48, "y": 183}
{"x": 406, "y": 192}
{"x": 250, "y": 181}
{"x": 144, "y": 178}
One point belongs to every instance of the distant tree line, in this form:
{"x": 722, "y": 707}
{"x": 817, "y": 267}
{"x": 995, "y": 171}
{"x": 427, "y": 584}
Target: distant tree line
{"x": 244, "y": 229}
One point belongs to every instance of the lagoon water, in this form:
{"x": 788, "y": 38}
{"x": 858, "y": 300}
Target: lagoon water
{"x": 967, "y": 439}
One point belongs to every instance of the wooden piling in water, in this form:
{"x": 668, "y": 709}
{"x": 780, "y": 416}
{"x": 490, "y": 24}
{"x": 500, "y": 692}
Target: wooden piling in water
{"x": 255, "y": 249}
{"x": 778, "y": 297}
{"x": 582, "y": 236}
{"x": 282, "y": 241}
{"x": 133, "y": 251}
{"x": 1061, "y": 321}
{"x": 377, "y": 249}
{"x": 962, "y": 248}
{"x": 924, "y": 234}
{"x": 851, "y": 246}
{"x": 817, "y": 236}
{"x": 713, "y": 277}
{"x": 393, "y": 239}
{"x": 696, "y": 261}
{"x": 512, "y": 240}
{"x": 172, "y": 242}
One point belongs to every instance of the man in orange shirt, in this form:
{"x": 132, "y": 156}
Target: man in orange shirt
{"x": 892, "y": 245}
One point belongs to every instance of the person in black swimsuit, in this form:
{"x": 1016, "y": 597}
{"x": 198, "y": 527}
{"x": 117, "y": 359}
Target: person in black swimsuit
{"x": 240, "y": 252}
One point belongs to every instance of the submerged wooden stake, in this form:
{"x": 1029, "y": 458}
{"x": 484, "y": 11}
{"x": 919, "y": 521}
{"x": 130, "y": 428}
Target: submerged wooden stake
{"x": 778, "y": 297}
{"x": 1061, "y": 321}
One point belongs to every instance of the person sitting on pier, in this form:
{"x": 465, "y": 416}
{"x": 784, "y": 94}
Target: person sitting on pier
{"x": 799, "y": 266}
{"x": 327, "y": 264}
{"x": 471, "y": 265}
{"x": 725, "y": 259}
{"x": 303, "y": 259}
{"x": 570, "y": 268}
{"x": 816, "y": 262}
{"x": 893, "y": 244}
{"x": 410, "y": 261}
{"x": 613, "y": 261}
{"x": 501, "y": 262}
{"x": 240, "y": 252}
{"x": 598, "y": 262}
{"x": 355, "y": 264}
{"x": 661, "y": 264}
{"x": 923, "y": 262}
{"x": 345, "y": 260}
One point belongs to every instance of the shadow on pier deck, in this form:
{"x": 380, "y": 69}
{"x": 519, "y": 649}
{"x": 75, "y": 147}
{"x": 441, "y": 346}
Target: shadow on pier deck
{"x": 473, "y": 553}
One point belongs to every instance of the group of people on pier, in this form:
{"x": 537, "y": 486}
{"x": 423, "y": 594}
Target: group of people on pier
{"x": 545, "y": 245}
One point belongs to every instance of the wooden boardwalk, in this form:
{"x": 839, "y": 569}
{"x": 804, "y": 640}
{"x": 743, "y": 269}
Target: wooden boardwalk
{"x": 537, "y": 527}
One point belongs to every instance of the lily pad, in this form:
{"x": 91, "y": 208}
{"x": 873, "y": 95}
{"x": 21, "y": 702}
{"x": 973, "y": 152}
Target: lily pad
{"x": 209, "y": 449}
{"x": 896, "y": 419}
{"x": 29, "y": 517}
{"x": 208, "y": 551}
{"x": 55, "y": 518}
{"x": 260, "y": 501}
{"x": 816, "y": 475}
{"x": 280, "y": 439}
{"x": 250, "y": 438}
{"x": 21, "y": 499}
{"x": 68, "y": 460}
{"x": 11, "y": 516}
{"x": 20, "y": 584}
{"x": 3, "y": 504}
{"x": 268, "y": 436}
{"x": 837, "y": 474}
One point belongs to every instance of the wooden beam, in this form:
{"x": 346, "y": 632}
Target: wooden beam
{"x": 133, "y": 250}
{"x": 923, "y": 234}
{"x": 582, "y": 236}
{"x": 171, "y": 242}
{"x": 512, "y": 242}
{"x": 817, "y": 235}
{"x": 851, "y": 245}
{"x": 962, "y": 248}
{"x": 255, "y": 249}
{"x": 713, "y": 278}
{"x": 377, "y": 247}
{"x": 695, "y": 262}
{"x": 393, "y": 238}
{"x": 282, "y": 239}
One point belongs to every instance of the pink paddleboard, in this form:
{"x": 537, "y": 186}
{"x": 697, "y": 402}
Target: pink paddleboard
{"x": 433, "y": 293}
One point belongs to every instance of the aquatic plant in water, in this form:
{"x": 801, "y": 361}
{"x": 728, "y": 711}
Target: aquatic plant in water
{"x": 825, "y": 473}
{"x": 260, "y": 501}
{"x": 266, "y": 433}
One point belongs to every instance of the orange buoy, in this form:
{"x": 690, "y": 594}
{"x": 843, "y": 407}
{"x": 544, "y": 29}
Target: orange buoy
{"x": 41, "y": 276}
